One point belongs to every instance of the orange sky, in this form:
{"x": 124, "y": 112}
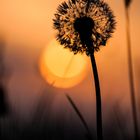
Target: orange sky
{"x": 26, "y": 26}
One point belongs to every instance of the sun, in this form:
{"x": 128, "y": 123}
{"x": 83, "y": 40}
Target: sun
{"x": 60, "y": 67}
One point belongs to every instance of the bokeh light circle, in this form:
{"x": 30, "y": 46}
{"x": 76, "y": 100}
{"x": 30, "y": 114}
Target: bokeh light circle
{"x": 60, "y": 67}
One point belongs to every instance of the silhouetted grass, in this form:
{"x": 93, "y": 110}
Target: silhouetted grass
{"x": 4, "y": 108}
{"x": 3, "y": 103}
{"x": 88, "y": 135}
{"x": 130, "y": 68}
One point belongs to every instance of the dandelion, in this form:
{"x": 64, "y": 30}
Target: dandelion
{"x": 83, "y": 26}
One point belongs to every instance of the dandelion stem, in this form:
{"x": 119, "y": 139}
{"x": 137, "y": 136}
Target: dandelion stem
{"x": 89, "y": 44}
{"x": 131, "y": 78}
{"x": 98, "y": 99}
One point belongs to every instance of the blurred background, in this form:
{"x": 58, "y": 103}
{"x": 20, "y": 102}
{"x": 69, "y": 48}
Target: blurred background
{"x": 38, "y": 73}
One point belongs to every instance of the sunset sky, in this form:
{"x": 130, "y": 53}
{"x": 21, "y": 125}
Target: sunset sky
{"x": 26, "y": 27}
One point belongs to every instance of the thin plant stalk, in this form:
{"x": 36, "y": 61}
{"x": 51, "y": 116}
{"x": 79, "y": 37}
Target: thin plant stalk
{"x": 79, "y": 115}
{"x": 98, "y": 99}
{"x": 3, "y": 99}
{"x": 98, "y": 92}
{"x": 3, "y": 103}
{"x": 131, "y": 76}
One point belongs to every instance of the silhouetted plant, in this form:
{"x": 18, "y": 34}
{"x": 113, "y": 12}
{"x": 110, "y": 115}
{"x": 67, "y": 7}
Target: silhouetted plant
{"x": 83, "y": 26}
{"x": 3, "y": 104}
{"x": 130, "y": 68}
{"x": 88, "y": 135}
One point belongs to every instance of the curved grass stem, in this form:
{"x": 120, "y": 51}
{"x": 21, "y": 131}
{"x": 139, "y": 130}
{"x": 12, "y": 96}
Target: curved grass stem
{"x": 89, "y": 136}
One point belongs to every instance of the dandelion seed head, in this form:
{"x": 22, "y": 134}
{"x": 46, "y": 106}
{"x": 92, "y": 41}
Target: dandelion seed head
{"x": 78, "y": 21}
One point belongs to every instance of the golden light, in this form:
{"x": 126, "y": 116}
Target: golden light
{"x": 60, "y": 67}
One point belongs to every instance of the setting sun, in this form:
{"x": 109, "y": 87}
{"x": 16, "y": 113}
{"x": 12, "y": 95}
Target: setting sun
{"x": 62, "y": 68}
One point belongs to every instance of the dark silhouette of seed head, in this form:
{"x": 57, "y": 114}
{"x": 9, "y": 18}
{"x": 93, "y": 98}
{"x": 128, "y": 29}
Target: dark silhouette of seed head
{"x": 80, "y": 21}
{"x": 84, "y": 27}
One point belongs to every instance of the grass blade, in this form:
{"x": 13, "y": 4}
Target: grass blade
{"x": 88, "y": 136}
